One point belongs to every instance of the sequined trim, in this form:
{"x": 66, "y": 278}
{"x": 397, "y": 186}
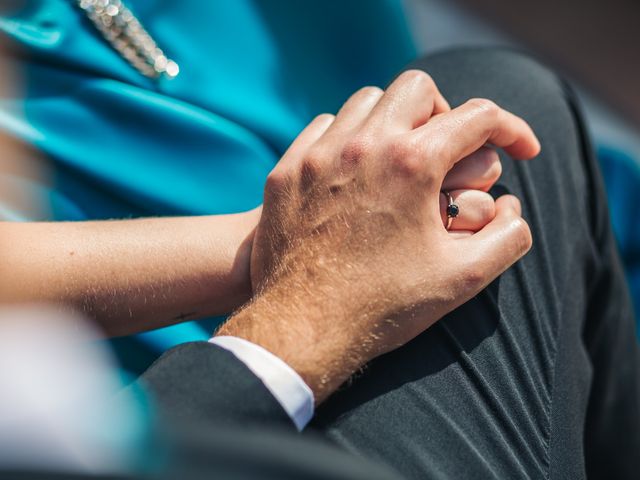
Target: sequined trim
{"x": 127, "y": 35}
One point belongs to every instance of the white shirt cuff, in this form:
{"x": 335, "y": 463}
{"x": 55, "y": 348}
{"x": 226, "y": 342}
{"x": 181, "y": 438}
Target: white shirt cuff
{"x": 293, "y": 394}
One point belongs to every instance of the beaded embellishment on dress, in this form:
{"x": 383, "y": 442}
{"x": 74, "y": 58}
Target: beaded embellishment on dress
{"x": 127, "y": 35}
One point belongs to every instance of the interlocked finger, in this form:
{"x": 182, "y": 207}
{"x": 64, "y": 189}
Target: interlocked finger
{"x": 475, "y": 210}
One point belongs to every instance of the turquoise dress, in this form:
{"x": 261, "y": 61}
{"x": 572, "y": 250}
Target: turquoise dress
{"x": 118, "y": 145}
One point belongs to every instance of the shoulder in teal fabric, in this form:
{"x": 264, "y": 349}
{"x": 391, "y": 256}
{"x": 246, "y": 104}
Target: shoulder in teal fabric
{"x": 253, "y": 73}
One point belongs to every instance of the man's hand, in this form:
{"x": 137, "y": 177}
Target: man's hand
{"x": 350, "y": 259}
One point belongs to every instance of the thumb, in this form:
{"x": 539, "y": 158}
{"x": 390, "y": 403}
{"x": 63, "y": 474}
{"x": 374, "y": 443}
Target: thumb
{"x": 501, "y": 243}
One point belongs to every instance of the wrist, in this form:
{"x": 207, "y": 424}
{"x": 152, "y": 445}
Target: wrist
{"x": 309, "y": 329}
{"x": 240, "y": 233}
{"x": 235, "y": 246}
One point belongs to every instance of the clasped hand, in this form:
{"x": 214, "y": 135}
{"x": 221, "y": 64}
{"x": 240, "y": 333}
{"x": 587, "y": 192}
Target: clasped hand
{"x": 351, "y": 258}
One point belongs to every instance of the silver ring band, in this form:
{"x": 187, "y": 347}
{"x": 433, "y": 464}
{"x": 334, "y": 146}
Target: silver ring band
{"x": 452, "y": 209}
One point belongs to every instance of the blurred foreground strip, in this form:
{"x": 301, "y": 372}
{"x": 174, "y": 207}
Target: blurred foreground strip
{"x": 57, "y": 381}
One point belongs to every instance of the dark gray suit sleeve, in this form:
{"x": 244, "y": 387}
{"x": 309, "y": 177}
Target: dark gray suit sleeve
{"x": 200, "y": 382}
{"x": 222, "y": 422}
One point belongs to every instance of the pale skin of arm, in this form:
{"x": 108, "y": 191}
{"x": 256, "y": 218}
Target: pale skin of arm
{"x": 131, "y": 275}
{"x": 137, "y": 275}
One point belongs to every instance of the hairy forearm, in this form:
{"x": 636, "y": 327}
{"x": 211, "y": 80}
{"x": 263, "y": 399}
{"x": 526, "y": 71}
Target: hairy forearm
{"x": 130, "y": 275}
{"x": 308, "y": 323}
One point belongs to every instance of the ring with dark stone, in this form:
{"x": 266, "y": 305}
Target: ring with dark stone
{"x": 453, "y": 210}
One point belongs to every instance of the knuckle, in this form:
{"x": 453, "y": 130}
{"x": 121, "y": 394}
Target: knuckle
{"x": 522, "y": 238}
{"x": 277, "y": 181}
{"x": 407, "y": 166}
{"x": 485, "y": 106}
{"x": 399, "y": 148}
{"x": 417, "y": 78}
{"x": 473, "y": 278}
{"x": 355, "y": 150}
{"x": 403, "y": 157}
{"x": 369, "y": 91}
{"x": 311, "y": 165}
